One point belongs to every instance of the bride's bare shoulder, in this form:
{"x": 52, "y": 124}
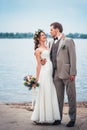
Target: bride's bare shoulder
{"x": 37, "y": 51}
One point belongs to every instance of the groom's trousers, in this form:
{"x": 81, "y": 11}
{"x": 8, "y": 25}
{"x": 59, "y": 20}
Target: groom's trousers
{"x": 60, "y": 85}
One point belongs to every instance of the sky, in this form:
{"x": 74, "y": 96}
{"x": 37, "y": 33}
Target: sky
{"x": 30, "y": 15}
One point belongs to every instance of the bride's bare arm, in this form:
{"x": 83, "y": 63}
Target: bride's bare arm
{"x": 38, "y": 66}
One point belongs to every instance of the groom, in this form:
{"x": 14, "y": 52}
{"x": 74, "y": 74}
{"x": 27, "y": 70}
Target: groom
{"x": 63, "y": 57}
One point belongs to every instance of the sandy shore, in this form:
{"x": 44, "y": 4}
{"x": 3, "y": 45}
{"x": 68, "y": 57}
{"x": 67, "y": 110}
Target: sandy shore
{"x": 16, "y": 116}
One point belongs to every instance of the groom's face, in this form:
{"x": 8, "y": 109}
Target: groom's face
{"x": 53, "y": 31}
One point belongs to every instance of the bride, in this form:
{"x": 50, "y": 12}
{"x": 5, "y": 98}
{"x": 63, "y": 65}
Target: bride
{"x": 46, "y": 107}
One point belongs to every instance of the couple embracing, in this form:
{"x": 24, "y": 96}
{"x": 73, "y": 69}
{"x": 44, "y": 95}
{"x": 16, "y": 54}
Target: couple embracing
{"x": 55, "y": 72}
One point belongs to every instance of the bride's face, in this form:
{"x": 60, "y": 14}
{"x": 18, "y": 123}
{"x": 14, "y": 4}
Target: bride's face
{"x": 43, "y": 37}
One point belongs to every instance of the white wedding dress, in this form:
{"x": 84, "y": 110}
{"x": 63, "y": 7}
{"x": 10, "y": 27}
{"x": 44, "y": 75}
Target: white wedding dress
{"x": 46, "y": 108}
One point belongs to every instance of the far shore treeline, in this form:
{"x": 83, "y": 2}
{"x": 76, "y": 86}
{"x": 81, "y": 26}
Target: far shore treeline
{"x": 30, "y": 35}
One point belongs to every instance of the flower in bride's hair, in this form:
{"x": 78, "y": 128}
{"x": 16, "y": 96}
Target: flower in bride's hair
{"x": 40, "y": 30}
{"x": 36, "y": 35}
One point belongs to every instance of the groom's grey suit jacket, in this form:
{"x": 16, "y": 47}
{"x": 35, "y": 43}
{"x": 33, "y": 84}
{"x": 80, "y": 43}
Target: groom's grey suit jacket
{"x": 66, "y": 58}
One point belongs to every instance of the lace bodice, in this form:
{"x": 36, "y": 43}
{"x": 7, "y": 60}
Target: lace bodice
{"x": 45, "y": 54}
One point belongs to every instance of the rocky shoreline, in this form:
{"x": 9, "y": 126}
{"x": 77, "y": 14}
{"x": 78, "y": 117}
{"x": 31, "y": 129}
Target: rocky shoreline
{"x": 16, "y": 116}
{"x": 81, "y": 107}
{"x": 27, "y": 105}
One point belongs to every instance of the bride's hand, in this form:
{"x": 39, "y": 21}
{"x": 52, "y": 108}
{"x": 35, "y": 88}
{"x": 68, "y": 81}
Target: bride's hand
{"x": 36, "y": 80}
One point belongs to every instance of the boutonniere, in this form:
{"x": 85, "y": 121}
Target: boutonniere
{"x": 63, "y": 47}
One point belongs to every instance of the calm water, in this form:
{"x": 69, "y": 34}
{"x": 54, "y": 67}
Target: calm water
{"x": 17, "y": 60}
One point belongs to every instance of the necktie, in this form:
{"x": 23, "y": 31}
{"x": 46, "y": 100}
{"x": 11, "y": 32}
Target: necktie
{"x": 56, "y": 38}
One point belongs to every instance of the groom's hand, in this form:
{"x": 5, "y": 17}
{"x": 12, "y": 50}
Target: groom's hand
{"x": 72, "y": 77}
{"x": 43, "y": 61}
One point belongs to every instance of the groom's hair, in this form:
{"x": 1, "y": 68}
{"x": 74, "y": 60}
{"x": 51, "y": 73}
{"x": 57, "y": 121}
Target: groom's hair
{"x": 57, "y": 25}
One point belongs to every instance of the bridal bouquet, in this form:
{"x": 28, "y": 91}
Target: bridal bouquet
{"x": 30, "y": 82}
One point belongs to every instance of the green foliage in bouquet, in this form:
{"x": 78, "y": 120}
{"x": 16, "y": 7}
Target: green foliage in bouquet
{"x": 30, "y": 82}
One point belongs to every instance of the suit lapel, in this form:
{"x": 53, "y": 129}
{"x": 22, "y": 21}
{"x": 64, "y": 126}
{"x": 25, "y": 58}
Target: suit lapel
{"x": 60, "y": 45}
{"x": 51, "y": 43}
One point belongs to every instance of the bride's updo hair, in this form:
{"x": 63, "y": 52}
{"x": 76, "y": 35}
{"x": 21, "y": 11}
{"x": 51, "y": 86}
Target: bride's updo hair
{"x": 36, "y": 38}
